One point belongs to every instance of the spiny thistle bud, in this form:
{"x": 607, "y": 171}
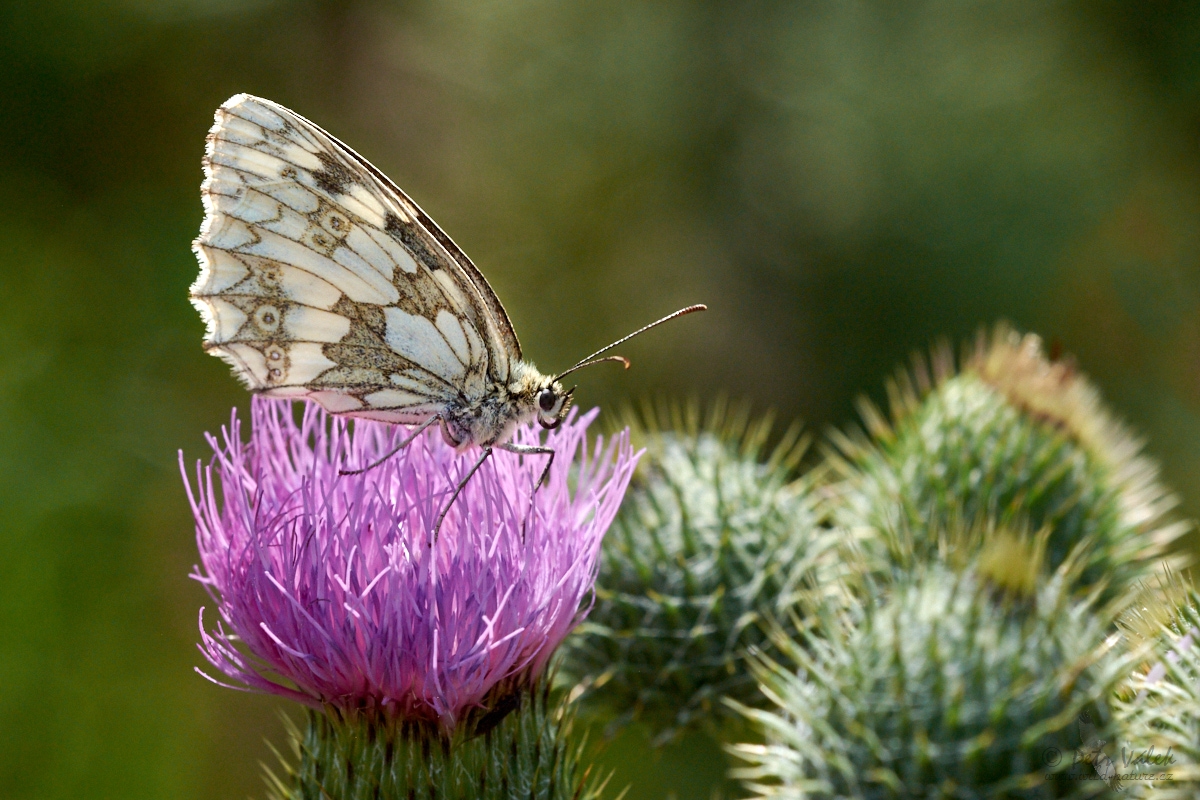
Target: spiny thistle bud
{"x": 1160, "y": 709}
{"x": 331, "y": 590}
{"x": 944, "y": 690}
{"x": 712, "y": 539}
{"x": 1012, "y": 437}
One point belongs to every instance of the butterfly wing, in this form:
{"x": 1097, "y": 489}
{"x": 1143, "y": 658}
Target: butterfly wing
{"x": 320, "y": 278}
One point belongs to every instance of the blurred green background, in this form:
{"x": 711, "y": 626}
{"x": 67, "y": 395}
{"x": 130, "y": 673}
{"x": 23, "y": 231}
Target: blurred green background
{"x": 841, "y": 182}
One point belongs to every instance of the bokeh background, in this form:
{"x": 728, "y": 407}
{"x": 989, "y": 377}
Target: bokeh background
{"x": 842, "y": 182}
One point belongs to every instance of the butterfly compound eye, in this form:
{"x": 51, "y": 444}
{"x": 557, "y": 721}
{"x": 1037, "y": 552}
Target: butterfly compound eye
{"x": 547, "y": 400}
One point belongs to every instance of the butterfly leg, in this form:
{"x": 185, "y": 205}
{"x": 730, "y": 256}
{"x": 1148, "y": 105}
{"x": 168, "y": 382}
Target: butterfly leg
{"x": 403, "y": 444}
{"x": 532, "y": 449}
{"x": 487, "y": 451}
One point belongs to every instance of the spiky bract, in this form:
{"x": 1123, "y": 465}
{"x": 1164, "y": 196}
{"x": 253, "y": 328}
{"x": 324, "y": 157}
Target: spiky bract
{"x": 1013, "y": 438}
{"x": 945, "y": 690}
{"x": 524, "y": 753}
{"x": 713, "y": 538}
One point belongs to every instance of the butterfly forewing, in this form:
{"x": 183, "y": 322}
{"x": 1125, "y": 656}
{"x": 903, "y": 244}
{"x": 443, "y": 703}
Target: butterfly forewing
{"x": 320, "y": 278}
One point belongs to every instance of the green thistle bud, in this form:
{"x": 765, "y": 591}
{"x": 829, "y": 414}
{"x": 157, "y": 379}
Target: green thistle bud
{"x": 712, "y": 538}
{"x": 522, "y": 753}
{"x": 1011, "y": 437}
{"x": 945, "y": 689}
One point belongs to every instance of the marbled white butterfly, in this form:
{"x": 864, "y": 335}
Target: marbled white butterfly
{"x": 320, "y": 278}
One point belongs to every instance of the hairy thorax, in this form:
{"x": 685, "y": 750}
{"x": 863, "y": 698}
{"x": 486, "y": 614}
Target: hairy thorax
{"x": 490, "y": 417}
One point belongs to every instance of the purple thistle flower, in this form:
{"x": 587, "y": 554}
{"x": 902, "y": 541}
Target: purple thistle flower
{"x": 329, "y": 581}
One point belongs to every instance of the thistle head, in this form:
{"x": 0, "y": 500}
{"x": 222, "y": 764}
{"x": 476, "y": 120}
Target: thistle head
{"x": 717, "y": 537}
{"x": 329, "y": 589}
{"x": 1012, "y": 437}
{"x": 939, "y": 686}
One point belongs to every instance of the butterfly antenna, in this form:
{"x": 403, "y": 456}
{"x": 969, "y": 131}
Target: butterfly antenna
{"x": 589, "y": 360}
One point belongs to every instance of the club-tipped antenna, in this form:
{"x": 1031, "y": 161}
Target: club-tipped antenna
{"x": 588, "y": 361}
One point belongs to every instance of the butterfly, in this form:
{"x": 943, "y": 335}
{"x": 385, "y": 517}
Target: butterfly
{"x": 321, "y": 279}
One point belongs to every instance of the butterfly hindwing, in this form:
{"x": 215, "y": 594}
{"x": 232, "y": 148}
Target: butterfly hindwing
{"x": 320, "y": 278}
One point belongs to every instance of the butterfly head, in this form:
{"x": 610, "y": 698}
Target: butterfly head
{"x": 552, "y": 404}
